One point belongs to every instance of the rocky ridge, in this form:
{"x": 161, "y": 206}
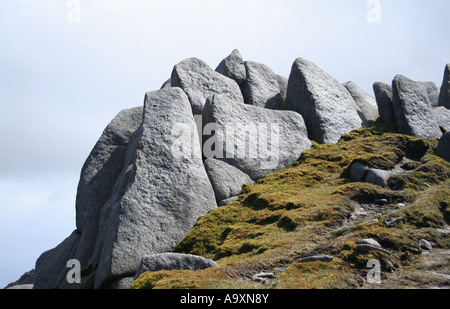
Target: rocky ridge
{"x": 158, "y": 168}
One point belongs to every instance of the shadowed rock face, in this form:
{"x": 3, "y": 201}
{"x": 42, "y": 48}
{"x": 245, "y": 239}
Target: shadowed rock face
{"x": 384, "y": 97}
{"x": 327, "y": 107}
{"x": 51, "y": 267}
{"x": 173, "y": 261}
{"x": 443, "y": 149}
{"x": 444, "y": 96}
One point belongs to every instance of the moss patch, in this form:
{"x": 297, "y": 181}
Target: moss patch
{"x": 316, "y": 275}
{"x": 432, "y": 208}
{"x": 188, "y": 279}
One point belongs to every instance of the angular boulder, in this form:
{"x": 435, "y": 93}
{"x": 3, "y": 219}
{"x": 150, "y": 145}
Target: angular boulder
{"x": 327, "y": 107}
{"x": 433, "y": 93}
{"x": 253, "y": 139}
{"x": 261, "y": 87}
{"x": 412, "y": 108}
{"x": 367, "y": 105}
{"x": 199, "y": 82}
{"x": 384, "y": 97}
{"x": 162, "y": 190}
{"x": 362, "y": 173}
{"x": 316, "y": 258}
{"x": 233, "y": 67}
{"x": 226, "y": 180}
{"x": 98, "y": 176}
{"x": 444, "y": 95}
{"x": 173, "y": 261}
{"x": 228, "y": 201}
{"x": 378, "y": 177}
{"x": 358, "y": 171}
{"x": 443, "y": 149}
{"x": 442, "y": 116}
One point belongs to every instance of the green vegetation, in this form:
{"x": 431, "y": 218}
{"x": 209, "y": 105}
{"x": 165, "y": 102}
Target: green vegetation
{"x": 309, "y": 209}
{"x": 88, "y": 273}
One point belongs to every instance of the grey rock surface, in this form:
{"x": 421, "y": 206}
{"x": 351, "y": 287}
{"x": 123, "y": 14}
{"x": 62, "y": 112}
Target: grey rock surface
{"x": 362, "y": 173}
{"x": 283, "y": 83}
{"x": 444, "y": 95}
{"x": 413, "y": 113}
{"x": 255, "y": 140}
{"x": 233, "y": 67}
{"x": 261, "y": 87}
{"x": 369, "y": 241}
{"x": 199, "y": 82}
{"x": 443, "y": 232}
{"x": 51, "y": 267}
{"x": 317, "y": 258}
{"x": 173, "y": 261}
{"x": 393, "y": 220}
{"x": 425, "y": 244}
{"x": 167, "y": 84}
{"x": 226, "y": 180}
{"x": 358, "y": 171}
{"x": 370, "y": 247}
{"x": 263, "y": 278}
{"x": 384, "y": 97}
{"x": 327, "y": 107}
{"x": 228, "y": 201}
{"x": 442, "y": 116}
{"x": 378, "y": 177}
{"x": 367, "y": 104}
{"x": 98, "y": 176}
{"x": 433, "y": 93}
{"x": 443, "y": 276}
{"x": 155, "y": 202}
{"x": 443, "y": 149}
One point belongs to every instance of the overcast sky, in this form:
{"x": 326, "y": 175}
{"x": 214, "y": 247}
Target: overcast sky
{"x": 64, "y": 76}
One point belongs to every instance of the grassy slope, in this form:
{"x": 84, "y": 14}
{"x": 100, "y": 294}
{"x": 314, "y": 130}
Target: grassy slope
{"x": 307, "y": 210}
